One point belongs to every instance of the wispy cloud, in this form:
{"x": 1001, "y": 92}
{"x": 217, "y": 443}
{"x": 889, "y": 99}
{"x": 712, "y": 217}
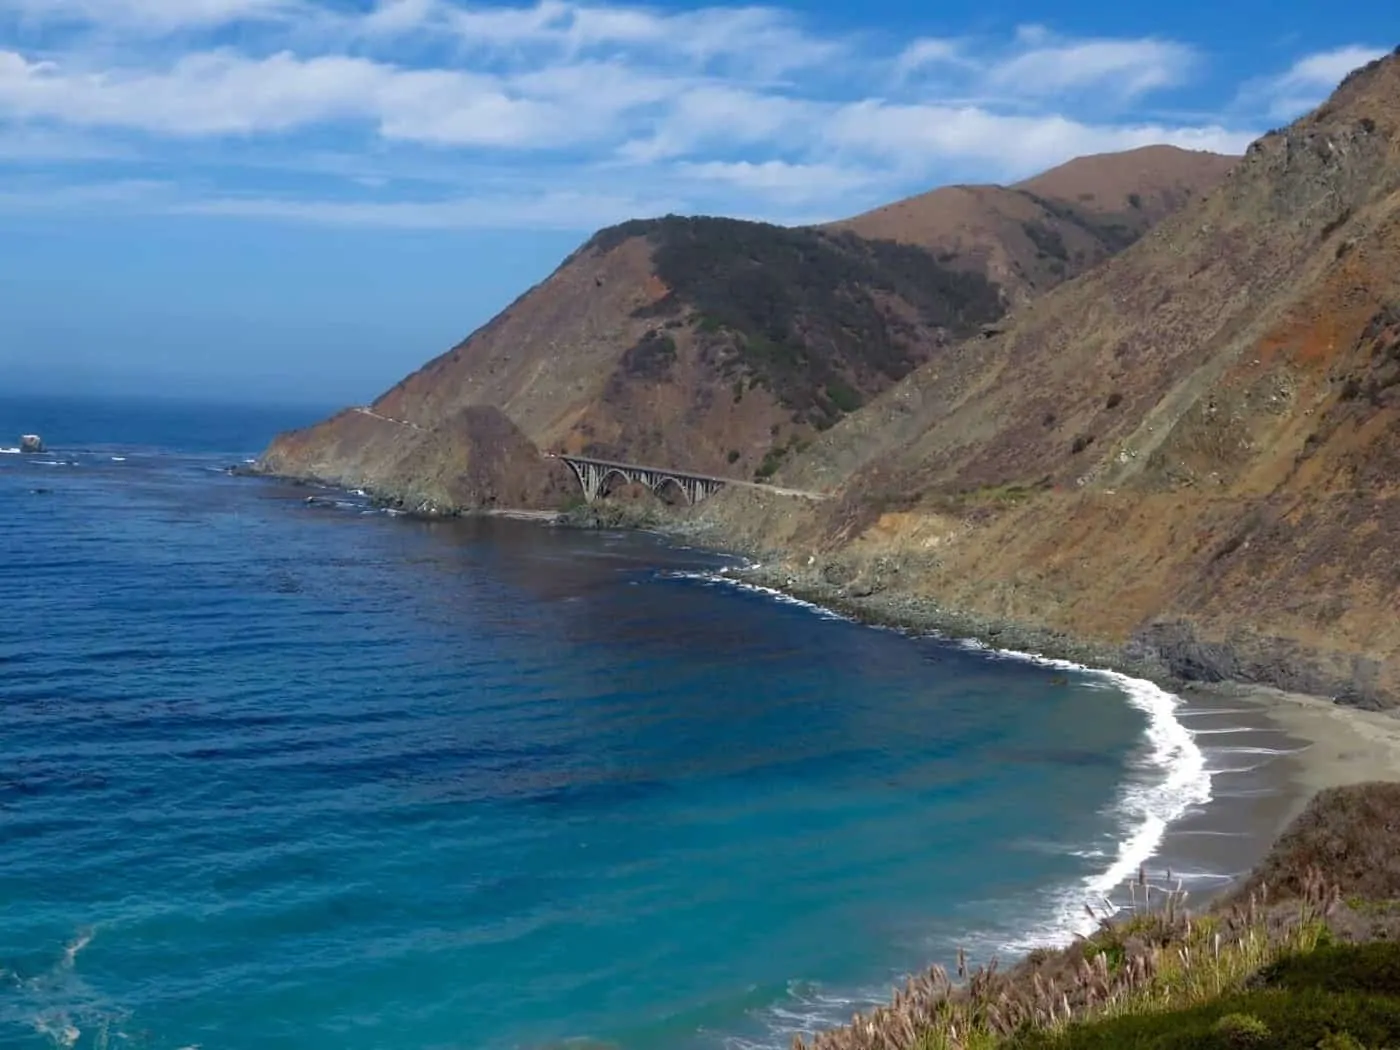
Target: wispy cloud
{"x": 1307, "y": 82}
{"x": 591, "y": 109}
{"x": 1128, "y": 67}
{"x": 148, "y": 15}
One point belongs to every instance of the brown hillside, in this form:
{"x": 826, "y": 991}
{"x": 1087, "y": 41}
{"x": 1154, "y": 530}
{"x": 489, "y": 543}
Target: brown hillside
{"x": 1039, "y": 233}
{"x": 1192, "y": 452}
{"x": 708, "y": 344}
{"x": 475, "y": 458}
{"x": 724, "y": 346}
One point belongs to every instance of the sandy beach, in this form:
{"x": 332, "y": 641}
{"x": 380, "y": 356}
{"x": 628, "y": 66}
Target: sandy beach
{"x": 1346, "y": 745}
{"x": 1269, "y": 752}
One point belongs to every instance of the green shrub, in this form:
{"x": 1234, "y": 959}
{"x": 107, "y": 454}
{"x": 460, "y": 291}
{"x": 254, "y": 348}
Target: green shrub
{"x": 842, "y": 395}
{"x": 1047, "y": 241}
{"x": 1290, "y": 1021}
{"x": 1241, "y": 1030}
{"x": 1372, "y": 968}
{"x": 733, "y": 456}
{"x": 1338, "y": 1041}
{"x": 808, "y": 306}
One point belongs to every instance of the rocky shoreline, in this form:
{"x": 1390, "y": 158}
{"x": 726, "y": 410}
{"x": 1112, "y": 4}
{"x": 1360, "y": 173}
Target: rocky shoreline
{"x": 1168, "y": 653}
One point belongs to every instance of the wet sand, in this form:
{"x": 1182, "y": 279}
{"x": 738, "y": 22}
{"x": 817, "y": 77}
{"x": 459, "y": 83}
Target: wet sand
{"x": 1269, "y": 753}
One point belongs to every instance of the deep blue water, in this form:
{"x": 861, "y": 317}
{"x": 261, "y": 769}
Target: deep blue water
{"x": 287, "y": 775}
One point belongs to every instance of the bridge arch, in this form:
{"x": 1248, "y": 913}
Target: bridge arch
{"x": 673, "y": 482}
{"x": 611, "y": 473}
{"x": 595, "y": 475}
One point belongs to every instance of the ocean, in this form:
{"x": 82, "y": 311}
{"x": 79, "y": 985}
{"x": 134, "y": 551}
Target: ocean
{"x": 280, "y": 770}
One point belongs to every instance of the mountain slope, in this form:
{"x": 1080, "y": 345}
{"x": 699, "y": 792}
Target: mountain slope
{"x": 708, "y": 344}
{"x": 1193, "y": 451}
{"x": 1041, "y": 232}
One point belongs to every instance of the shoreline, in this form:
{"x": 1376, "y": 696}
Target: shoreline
{"x": 1321, "y": 743}
{"x": 1299, "y": 743}
{"x": 1283, "y": 746}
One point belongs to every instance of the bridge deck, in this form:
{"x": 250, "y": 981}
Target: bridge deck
{"x": 689, "y": 474}
{"x": 644, "y": 466}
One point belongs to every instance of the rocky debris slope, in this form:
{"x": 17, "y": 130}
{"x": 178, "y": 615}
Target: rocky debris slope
{"x": 1190, "y": 454}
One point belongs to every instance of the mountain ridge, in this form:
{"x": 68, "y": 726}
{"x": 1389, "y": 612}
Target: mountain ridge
{"x": 707, "y": 344}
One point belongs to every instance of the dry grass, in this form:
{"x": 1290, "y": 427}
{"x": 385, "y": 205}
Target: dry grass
{"x": 1155, "y": 956}
{"x": 1334, "y": 874}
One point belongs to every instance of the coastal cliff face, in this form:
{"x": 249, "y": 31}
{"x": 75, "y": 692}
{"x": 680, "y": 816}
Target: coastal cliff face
{"x": 725, "y": 347}
{"x": 1191, "y": 453}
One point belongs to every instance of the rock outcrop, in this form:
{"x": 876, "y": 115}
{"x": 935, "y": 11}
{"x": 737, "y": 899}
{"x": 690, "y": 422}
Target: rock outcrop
{"x": 31, "y": 443}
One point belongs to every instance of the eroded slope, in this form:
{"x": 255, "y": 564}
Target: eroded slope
{"x": 1192, "y": 450}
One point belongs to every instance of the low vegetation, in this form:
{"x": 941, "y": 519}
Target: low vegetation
{"x": 1290, "y": 961}
{"x": 820, "y": 319}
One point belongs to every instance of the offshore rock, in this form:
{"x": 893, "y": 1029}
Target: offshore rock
{"x": 32, "y": 443}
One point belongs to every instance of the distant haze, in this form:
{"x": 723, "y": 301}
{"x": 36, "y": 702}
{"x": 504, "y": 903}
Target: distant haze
{"x": 212, "y": 310}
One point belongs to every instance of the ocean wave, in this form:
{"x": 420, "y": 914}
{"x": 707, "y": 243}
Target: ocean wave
{"x": 1147, "y": 809}
{"x": 720, "y": 578}
{"x": 1180, "y": 780}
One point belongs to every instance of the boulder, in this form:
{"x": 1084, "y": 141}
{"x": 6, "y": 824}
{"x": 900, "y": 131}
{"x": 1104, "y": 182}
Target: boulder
{"x": 31, "y": 443}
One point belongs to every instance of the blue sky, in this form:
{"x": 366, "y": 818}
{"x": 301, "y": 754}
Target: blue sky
{"x": 305, "y": 199}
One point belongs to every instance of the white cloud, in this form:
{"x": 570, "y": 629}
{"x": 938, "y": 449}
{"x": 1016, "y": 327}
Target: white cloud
{"x": 1126, "y": 67}
{"x": 720, "y": 116}
{"x": 1308, "y": 82}
{"x": 1010, "y": 146}
{"x": 224, "y": 93}
{"x": 795, "y": 183}
{"x": 744, "y": 109}
{"x": 931, "y": 51}
{"x": 28, "y": 145}
{"x": 557, "y": 211}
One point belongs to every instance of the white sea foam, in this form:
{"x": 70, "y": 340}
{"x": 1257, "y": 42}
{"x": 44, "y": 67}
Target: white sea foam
{"x": 118, "y": 459}
{"x": 76, "y": 945}
{"x": 720, "y": 579}
{"x": 10, "y": 452}
{"x": 1178, "y": 781}
{"x": 1181, "y": 781}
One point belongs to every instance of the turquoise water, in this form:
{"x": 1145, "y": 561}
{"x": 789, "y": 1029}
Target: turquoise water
{"x": 279, "y": 773}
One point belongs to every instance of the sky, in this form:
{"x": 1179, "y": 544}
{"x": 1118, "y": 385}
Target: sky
{"x": 303, "y": 200}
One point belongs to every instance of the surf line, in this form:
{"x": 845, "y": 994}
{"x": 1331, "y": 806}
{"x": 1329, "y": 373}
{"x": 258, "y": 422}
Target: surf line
{"x": 1147, "y": 810}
